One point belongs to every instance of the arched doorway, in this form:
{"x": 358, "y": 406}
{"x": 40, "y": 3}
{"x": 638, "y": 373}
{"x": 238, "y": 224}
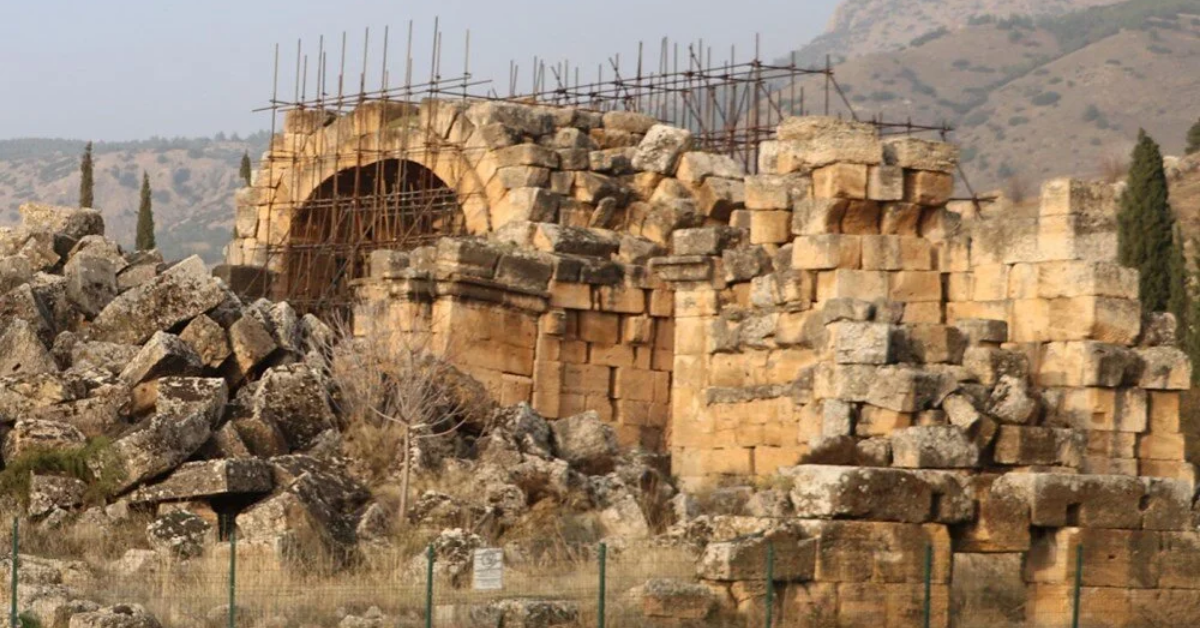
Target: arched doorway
{"x": 389, "y": 204}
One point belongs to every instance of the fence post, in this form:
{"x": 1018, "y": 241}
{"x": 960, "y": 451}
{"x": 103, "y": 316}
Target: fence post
{"x": 603, "y": 583}
{"x": 232, "y": 616}
{"x": 1078, "y": 585}
{"x": 429, "y": 586}
{"x": 13, "y": 618}
{"x": 770, "y": 583}
{"x": 928, "y": 584}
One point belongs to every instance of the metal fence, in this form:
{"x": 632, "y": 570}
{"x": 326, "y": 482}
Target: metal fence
{"x": 560, "y": 584}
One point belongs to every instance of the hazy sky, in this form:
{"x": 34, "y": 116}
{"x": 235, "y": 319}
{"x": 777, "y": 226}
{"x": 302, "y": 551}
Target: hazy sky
{"x": 130, "y": 69}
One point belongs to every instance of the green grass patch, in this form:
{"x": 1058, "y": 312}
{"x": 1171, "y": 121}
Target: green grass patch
{"x": 94, "y": 464}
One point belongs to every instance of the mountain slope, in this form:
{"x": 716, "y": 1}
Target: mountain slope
{"x": 193, "y": 183}
{"x": 860, "y": 27}
{"x": 1037, "y": 98}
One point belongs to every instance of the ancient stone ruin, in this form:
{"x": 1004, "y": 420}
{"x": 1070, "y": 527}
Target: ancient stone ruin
{"x": 973, "y": 376}
{"x": 843, "y": 369}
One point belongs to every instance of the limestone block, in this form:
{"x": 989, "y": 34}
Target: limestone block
{"x": 932, "y": 344}
{"x": 1166, "y": 368}
{"x": 904, "y": 389}
{"x": 1162, "y": 447}
{"x": 1066, "y": 196}
{"x": 818, "y": 216}
{"x": 885, "y": 183}
{"x": 22, "y": 352}
{"x": 816, "y": 141}
{"x": 1173, "y": 469}
{"x": 1116, "y": 321}
{"x": 1124, "y": 559}
{"x": 861, "y": 342}
{"x": 826, "y": 252}
{"x": 745, "y": 558}
{"x": 660, "y": 149}
{"x": 1081, "y": 278}
{"x": 1027, "y": 445}
{"x": 1159, "y": 329}
{"x": 677, "y": 600}
{"x": 162, "y": 356}
{"x": 827, "y": 492}
{"x": 911, "y": 286}
{"x": 1075, "y": 237}
{"x": 988, "y": 365}
{"x": 926, "y": 313}
{"x": 181, "y": 293}
{"x": 1116, "y": 410}
{"x": 849, "y": 382}
{"x": 892, "y": 252}
{"x": 840, "y": 180}
{"x": 770, "y": 227}
{"x": 987, "y": 590}
{"x": 876, "y": 421}
{"x": 251, "y": 343}
{"x": 718, "y": 198}
{"x": 628, "y": 121}
{"x": 1087, "y": 363}
{"x": 776, "y": 192}
{"x": 913, "y": 153}
{"x": 745, "y": 264}
{"x": 900, "y": 219}
{"x": 511, "y": 177}
{"x": 1164, "y": 412}
{"x": 983, "y": 331}
{"x": 864, "y": 285}
{"x": 695, "y": 167}
{"x": 599, "y": 327}
{"x": 933, "y": 447}
{"x": 526, "y": 155}
{"x": 928, "y": 188}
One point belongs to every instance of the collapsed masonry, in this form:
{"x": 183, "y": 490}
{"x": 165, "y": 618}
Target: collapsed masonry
{"x": 981, "y": 379}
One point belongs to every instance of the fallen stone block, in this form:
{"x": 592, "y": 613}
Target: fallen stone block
{"x": 660, "y": 149}
{"x": 22, "y": 351}
{"x": 914, "y": 153}
{"x": 210, "y": 478}
{"x": 853, "y": 492}
{"x": 164, "y": 355}
{"x": 183, "y": 292}
{"x": 186, "y": 411}
{"x": 33, "y": 435}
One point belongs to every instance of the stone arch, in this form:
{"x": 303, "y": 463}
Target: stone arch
{"x": 388, "y": 203}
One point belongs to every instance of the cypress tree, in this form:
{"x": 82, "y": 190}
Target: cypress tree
{"x": 1193, "y": 139}
{"x": 145, "y": 221}
{"x": 245, "y": 171}
{"x": 87, "y": 185}
{"x": 1146, "y": 225}
{"x": 1179, "y": 301}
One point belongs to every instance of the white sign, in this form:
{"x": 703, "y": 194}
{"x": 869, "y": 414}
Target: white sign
{"x": 489, "y": 569}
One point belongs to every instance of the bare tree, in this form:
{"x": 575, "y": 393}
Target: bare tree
{"x": 395, "y": 379}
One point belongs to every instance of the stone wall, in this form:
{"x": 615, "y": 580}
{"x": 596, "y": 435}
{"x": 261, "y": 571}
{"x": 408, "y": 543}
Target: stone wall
{"x": 975, "y": 378}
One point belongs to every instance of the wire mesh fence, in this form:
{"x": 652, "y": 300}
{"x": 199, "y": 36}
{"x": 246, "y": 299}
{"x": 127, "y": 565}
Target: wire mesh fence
{"x": 560, "y": 584}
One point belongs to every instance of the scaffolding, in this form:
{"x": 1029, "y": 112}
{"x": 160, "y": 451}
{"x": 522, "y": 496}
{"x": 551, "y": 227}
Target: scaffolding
{"x": 370, "y": 193}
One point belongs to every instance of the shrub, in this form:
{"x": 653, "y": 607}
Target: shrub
{"x": 1045, "y": 99}
{"x": 1018, "y": 121}
{"x": 80, "y": 463}
{"x": 961, "y": 64}
{"x": 928, "y": 37}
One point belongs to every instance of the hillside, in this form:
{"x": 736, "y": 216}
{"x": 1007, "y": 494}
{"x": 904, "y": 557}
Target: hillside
{"x": 1053, "y": 96}
{"x": 193, "y": 182}
{"x": 860, "y": 27}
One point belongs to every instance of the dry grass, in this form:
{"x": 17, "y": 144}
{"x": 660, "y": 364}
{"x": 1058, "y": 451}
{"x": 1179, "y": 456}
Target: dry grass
{"x": 392, "y": 580}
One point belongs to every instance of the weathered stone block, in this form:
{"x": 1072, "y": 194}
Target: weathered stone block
{"x": 815, "y": 141}
{"x": 913, "y": 153}
{"x": 933, "y": 447}
{"x": 660, "y": 149}
{"x": 826, "y": 252}
{"x": 840, "y": 180}
{"x": 928, "y": 188}
{"x": 818, "y": 216}
{"x": 829, "y": 492}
